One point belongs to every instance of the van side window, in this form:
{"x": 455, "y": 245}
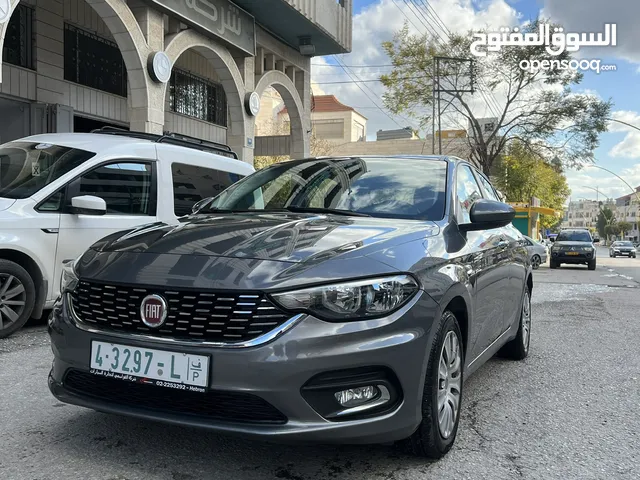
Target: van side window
{"x": 53, "y": 204}
{"x": 192, "y": 183}
{"x": 126, "y": 187}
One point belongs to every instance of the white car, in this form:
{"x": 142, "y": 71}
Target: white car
{"x": 538, "y": 252}
{"x": 60, "y": 193}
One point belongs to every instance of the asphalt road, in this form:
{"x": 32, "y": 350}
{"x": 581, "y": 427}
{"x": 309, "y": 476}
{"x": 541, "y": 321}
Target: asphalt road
{"x": 570, "y": 411}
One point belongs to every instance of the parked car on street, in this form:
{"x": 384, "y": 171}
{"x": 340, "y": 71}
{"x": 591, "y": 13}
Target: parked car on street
{"x": 60, "y": 193}
{"x": 329, "y": 300}
{"x": 538, "y": 252}
{"x": 622, "y": 248}
{"x": 574, "y": 247}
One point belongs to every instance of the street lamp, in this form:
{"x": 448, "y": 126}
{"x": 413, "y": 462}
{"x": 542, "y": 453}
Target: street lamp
{"x": 623, "y": 123}
{"x": 633, "y": 190}
{"x": 595, "y": 190}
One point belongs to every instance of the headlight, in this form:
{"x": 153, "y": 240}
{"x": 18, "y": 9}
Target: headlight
{"x": 69, "y": 278}
{"x": 351, "y": 300}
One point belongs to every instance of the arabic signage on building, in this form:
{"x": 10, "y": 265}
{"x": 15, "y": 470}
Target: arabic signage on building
{"x": 555, "y": 39}
{"x": 220, "y": 18}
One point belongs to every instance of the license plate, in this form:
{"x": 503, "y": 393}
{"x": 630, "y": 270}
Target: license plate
{"x": 145, "y": 365}
{"x": 572, "y": 253}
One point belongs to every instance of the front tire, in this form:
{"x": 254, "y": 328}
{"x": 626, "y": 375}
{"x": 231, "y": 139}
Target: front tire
{"x": 553, "y": 264}
{"x": 518, "y": 348}
{"x": 592, "y": 265}
{"x": 442, "y": 394}
{"x": 17, "y": 297}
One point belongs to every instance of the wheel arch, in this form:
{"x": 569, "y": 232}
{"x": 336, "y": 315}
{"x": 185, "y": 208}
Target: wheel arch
{"x": 458, "y": 300}
{"x": 35, "y": 271}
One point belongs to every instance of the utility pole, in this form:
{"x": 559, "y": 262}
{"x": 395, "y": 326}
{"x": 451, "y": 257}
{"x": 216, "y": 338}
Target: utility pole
{"x": 436, "y": 87}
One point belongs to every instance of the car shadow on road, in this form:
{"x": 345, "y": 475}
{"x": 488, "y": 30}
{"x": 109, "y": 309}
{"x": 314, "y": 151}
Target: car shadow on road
{"x": 183, "y": 453}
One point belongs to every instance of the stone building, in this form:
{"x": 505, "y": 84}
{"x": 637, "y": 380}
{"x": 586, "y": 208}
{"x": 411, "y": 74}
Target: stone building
{"x": 195, "y": 67}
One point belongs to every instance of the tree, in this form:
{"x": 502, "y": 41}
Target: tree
{"x": 613, "y": 229}
{"x": 519, "y": 175}
{"x": 539, "y": 109}
{"x": 606, "y": 218}
{"x": 624, "y": 228}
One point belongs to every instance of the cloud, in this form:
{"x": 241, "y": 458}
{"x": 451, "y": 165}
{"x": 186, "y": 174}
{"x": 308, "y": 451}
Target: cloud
{"x": 589, "y": 16}
{"x": 629, "y": 147}
{"x": 583, "y": 182}
{"x": 377, "y": 23}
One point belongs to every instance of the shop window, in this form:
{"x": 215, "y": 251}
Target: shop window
{"x": 19, "y": 41}
{"x": 93, "y": 61}
{"x": 192, "y": 183}
{"x": 197, "y": 97}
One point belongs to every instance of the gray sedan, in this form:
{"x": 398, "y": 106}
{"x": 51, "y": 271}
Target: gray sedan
{"x": 537, "y": 252}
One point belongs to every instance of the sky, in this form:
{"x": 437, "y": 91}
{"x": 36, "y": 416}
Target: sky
{"x": 376, "y": 21}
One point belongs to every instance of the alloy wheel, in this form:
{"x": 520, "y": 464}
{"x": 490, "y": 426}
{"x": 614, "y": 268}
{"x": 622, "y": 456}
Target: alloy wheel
{"x": 535, "y": 262}
{"x": 526, "y": 319}
{"x": 449, "y": 384}
{"x": 13, "y": 298}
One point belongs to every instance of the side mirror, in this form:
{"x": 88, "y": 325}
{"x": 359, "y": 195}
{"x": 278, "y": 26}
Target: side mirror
{"x": 199, "y": 204}
{"x": 488, "y": 214}
{"x": 552, "y": 239}
{"x": 88, "y": 205}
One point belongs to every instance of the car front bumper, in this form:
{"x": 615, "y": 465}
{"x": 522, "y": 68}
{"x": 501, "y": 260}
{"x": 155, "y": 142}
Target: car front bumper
{"x": 274, "y": 372}
{"x": 626, "y": 253}
{"x": 579, "y": 258}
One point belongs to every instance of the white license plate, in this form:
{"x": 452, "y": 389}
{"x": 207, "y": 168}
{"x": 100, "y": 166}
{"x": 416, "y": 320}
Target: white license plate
{"x": 145, "y": 365}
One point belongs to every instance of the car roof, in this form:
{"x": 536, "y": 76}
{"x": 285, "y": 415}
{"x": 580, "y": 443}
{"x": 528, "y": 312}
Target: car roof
{"x": 444, "y": 158}
{"x": 105, "y": 143}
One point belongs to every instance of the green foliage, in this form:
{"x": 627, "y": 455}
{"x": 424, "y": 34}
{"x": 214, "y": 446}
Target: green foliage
{"x": 624, "y": 228}
{"x": 613, "y": 229}
{"x": 540, "y": 109}
{"x": 605, "y": 219}
{"x": 521, "y": 175}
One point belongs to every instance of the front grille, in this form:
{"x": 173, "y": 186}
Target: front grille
{"x": 206, "y": 316}
{"x": 214, "y": 405}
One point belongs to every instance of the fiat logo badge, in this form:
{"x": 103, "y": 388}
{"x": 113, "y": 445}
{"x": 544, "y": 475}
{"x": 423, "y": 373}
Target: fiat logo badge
{"x": 153, "y": 311}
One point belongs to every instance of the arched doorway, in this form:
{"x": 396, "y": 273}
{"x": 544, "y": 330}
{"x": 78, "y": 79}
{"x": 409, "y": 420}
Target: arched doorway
{"x": 297, "y": 143}
{"x": 200, "y": 64}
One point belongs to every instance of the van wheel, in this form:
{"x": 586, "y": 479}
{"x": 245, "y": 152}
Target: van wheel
{"x": 17, "y": 297}
{"x": 442, "y": 393}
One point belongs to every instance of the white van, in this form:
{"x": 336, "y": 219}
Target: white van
{"x": 60, "y": 193}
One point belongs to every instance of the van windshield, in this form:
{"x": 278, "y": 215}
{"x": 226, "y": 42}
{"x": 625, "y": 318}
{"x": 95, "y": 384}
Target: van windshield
{"x": 26, "y": 167}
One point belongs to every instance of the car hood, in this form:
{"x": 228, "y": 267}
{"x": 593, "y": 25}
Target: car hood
{"x": 621, "y": 247}
{"x": 572, "y": 244}
{"x": 285, "y": 237}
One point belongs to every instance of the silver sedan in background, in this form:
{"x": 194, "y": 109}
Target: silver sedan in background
{"x": 538, "y": 252}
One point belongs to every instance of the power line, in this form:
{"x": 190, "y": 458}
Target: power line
{"x": 373, "y": 80}
{"x": 366, "y": 94}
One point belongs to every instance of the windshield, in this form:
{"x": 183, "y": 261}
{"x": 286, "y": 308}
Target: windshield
{"x": 381, "y": 187}
{"x": 623, "y": 244}
{"x": 27, "y": 167}
{"x": 575, "y": 236}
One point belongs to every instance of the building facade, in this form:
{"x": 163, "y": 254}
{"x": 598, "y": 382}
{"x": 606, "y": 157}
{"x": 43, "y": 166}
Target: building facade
{"x": 194, "y": 67}
{"x": 628, "y": 210}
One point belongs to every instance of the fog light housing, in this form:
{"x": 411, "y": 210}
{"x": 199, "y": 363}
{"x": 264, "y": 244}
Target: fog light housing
{"x": 354, "y": 393}
{"x": 353, "y": 397}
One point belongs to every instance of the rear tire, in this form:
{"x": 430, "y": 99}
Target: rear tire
{"x": 518, "y": 348}
{"x": 592, "y": 265}
{"x": 17, "y": 297}
{"x": 443, "y": 383}
{"x": 535, "y": 262}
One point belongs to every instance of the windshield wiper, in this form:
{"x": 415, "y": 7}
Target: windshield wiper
{"x": 335, "y": 211}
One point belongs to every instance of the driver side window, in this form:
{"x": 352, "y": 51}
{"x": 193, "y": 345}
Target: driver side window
{"x": 467, "y": 192}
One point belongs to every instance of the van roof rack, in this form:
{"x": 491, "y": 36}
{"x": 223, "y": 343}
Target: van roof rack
{"x": 173, "y": 139}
